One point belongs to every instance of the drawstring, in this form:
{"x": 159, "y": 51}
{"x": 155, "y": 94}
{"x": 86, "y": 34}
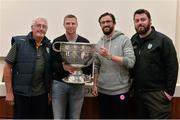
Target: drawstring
{"x": 109, "y": 48}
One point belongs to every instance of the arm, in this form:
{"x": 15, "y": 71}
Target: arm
{"x": 170, "y": 61}
{"x": 128, "y": 58}
{"x": 69, "y": 68}
{"x": 94, "y": 89}
{"x": 95, "y": 76}
{"x": 105, "y": 53}
{"x": 8, "y": 83}
{"x": 10, "y": 60}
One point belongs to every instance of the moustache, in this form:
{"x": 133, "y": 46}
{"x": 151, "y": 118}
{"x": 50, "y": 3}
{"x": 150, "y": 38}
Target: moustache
{"x": 106, "y": 27}
{"x": 141, "y": 25}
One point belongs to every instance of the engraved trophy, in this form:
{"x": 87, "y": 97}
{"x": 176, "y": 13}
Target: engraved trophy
{"x": 78, "y": 55}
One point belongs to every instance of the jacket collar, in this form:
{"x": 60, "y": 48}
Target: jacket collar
{"x": 45, "y": 41}
{"x": 151, "y": 36}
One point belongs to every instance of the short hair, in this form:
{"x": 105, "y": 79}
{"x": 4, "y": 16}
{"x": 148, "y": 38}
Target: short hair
{"x": 70, "y": 16}
{"x": 38, "y": 18}
{"x": 107, "y": 14}
{"x": 141, "y": 11}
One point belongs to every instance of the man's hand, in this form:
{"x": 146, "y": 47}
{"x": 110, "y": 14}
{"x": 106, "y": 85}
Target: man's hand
{"x": 104, "y": 52}
{"x": 95, "y": 90}
{"x": 168, "y": 96}
{"x": 10, "y": 98}
{"x": 69, "y": 68}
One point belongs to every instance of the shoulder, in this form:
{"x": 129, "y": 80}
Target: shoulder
{"x": 122, "y": 39}
{"x": 82, "y": 39}
{"x": 162, "y": 35}
{"x": 134, "y": 37}
{"x": 163, "y": 38}
{"x": 61, "y": 38}
{"x": 47, "y": 42}
{"x": 19, "y": 39}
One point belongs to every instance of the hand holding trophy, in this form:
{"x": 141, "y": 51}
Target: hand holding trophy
{"x": 75, "y": 56}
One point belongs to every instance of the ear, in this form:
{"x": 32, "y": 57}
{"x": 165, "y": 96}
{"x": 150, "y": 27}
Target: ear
{"x": 31, "y": 27}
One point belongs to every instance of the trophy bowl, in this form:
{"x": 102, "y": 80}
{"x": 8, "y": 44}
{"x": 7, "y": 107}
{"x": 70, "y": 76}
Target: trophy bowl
{"x": 78, "y": 55}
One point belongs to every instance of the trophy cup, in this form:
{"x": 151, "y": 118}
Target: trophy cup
{"x": 78, "y": 55}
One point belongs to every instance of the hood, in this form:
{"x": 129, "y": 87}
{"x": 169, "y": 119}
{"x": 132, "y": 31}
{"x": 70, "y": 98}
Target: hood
{"x": 107, "y": 40}
{"x": 114, "y": 35}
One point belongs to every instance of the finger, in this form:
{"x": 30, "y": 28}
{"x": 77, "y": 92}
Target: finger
{"x": 10, "y": 103}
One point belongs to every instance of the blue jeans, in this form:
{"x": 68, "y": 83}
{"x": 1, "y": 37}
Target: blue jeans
{"x": 67, "y": 95}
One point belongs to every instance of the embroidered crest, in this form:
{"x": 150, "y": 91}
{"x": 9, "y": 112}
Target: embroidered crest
{"x": 135, "y": 47}
{"x": 47, "y": 49}
{"x": 149, "y": 46}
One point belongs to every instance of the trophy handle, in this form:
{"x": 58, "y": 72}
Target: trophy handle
{"x": 54, "y": 48}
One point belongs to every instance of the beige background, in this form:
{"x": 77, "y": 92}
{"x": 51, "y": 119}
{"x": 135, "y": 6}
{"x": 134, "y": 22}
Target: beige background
{"x": 16, "y": 17}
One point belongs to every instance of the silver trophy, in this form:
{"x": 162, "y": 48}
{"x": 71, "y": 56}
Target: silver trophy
{"x": 78, "y": 55}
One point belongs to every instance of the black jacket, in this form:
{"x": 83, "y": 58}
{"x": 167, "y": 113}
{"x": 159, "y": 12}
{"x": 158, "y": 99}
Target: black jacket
{"x": 156, "y": 66}
{"x": 57, "y": 68}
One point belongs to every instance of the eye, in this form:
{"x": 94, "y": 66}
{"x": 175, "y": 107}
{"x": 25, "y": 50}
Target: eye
{"x": 107, "y": 21}
{"x": 41, "y": 25}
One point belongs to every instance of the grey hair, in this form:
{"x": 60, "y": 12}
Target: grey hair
{"x": 38, "y": 18}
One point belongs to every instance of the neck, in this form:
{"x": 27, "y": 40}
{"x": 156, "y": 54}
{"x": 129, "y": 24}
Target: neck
{"x": 110, "y": 35}
{"x": 71, "y": 37}
{"x": 38, "y": 42}
{"x": 146, "y": 34}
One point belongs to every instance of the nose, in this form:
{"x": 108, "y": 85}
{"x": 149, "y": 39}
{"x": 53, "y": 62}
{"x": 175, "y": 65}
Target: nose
{"x": 106, "y": 24}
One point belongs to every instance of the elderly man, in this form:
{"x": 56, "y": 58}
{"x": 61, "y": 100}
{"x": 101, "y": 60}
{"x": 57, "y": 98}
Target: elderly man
{"x": 26, "y": 72}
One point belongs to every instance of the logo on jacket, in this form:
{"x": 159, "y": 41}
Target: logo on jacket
{"x": 149, "y": 46}
{"x": 135, "y": 46}
{"x": 47, "y": 49}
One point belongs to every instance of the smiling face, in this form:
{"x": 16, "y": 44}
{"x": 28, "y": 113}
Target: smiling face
{"x": 70, "y": 24}
{"x": 142, "y": 23}
{"x": 39, "y": 28}
{"x": 107, "y": 24}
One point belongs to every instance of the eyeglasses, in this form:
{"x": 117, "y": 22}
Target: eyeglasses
{"x": 40, "y": 25}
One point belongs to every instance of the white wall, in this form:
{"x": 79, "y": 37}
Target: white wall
{"x": 177, "y": 42}
{"x": 16, "y": 16}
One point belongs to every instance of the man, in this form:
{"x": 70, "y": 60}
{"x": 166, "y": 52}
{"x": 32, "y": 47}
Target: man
{"x": 155, "y": 71}
{"x": 67, "y": 98}
{"x": 26, "y": 72}
{"x": 115, "y": 58}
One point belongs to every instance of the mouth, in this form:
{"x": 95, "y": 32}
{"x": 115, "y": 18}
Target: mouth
{"x": 141, "y": 28}
{"x": 106, "y": 28}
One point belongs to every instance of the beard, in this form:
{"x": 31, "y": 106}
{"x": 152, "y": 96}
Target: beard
{"x": 108, "y": 30}
{"x": 143, "y": 29}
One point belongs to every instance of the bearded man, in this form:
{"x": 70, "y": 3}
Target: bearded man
{"x": 115, "y": 58}
{"x": 155, "y": 71}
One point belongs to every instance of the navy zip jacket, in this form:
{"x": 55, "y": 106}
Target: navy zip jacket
{"x": 24, "y": 66}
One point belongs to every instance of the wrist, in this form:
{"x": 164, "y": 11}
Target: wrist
{"x": 109, "y": 57}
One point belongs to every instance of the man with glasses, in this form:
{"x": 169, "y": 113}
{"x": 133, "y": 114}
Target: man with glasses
{"x": 115, "y": 58}
{"x": 27, "y": 72}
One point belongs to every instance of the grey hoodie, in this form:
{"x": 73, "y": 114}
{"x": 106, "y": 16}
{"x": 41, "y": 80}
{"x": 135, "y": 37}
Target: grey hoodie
{"x": 114, "y": 78}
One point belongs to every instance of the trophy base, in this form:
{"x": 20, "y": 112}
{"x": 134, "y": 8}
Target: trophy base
{"x": 72, "y": 81}
{"x": 77, "y": 78}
